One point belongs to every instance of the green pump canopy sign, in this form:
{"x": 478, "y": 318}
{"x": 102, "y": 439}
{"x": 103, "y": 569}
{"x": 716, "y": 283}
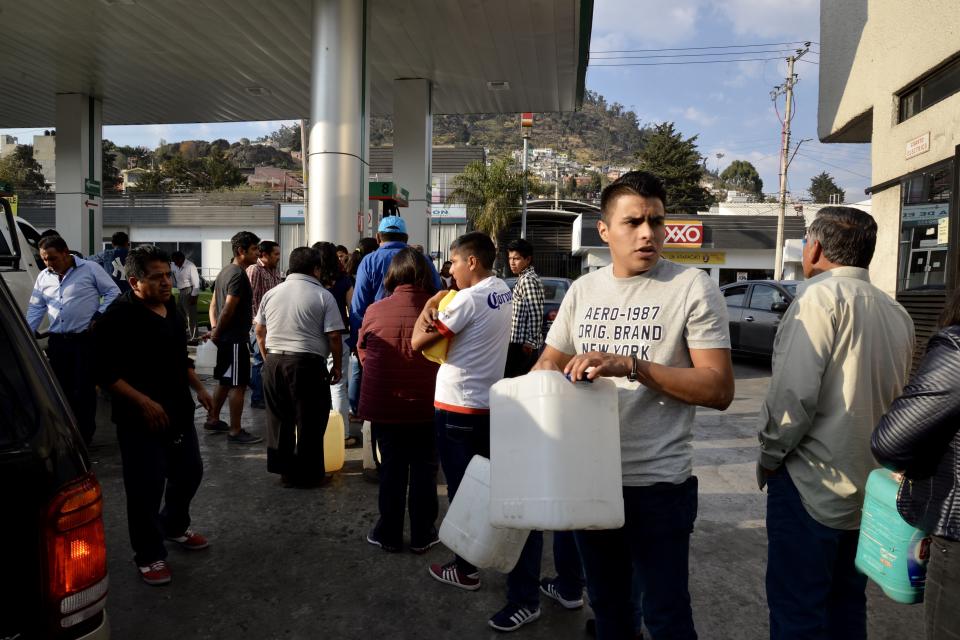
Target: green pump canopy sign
{"x": 389, "y": 191}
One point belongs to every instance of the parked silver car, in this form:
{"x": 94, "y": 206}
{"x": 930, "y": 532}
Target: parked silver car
{"x": 755, "y": 308}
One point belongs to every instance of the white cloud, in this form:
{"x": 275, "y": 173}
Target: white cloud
{"x": 788, "y": 19}
{"x": 642, "y": 23}
{"x": 695, "y": 115}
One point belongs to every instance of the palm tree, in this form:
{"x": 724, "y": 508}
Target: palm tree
{"x": 492, "y": 194}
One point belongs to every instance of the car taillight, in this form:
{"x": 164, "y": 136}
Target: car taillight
{"x": 551, "y": 315}
{"x": 76, "y": 552}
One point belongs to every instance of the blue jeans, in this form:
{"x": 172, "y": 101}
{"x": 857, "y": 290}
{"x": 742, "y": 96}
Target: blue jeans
{"x": 651, "y": 550}
{"x": 523, "y": 583}
{"x": 353, "y": 387}
{"x": 460, "y": 436}
{"x": 256, "y": 372}
{"x": 813, "y": 589}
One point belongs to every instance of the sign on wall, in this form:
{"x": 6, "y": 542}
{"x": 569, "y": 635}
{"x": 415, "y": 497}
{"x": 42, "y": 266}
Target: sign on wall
{"x": 448, "y": 212}
{"x": 687, "y": 234}
{"x": 917, "y": 146}
{"x": 291, "y": 213}
{"x": 696, "y": 257}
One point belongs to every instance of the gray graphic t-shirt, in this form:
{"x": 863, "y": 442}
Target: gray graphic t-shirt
{"x": 659, "y": 315}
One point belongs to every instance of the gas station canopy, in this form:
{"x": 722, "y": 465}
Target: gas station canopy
{"x": 170, "y": 61}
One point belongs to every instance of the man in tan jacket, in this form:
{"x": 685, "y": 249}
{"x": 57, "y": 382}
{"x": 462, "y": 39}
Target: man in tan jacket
{"x": 841, "y": 356}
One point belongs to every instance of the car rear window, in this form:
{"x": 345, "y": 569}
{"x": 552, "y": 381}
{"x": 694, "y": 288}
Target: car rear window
{"x": 553, "y": 291}
{"x": 23, "y": 394}
{"x": 791, "y": 289}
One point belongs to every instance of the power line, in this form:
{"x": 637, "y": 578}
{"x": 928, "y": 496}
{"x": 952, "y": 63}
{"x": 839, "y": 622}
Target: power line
{"x": 835, "y": 166}
{"x": 728, "y": 46}
{"x": 657, "y": 64}
{"x": 697, "y": 55}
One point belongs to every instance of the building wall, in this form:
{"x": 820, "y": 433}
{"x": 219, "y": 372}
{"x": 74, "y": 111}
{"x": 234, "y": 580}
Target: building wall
{"x": 45, "y": 153}
{"x": 211, "y": 238}
{"x": 722, "y": 259}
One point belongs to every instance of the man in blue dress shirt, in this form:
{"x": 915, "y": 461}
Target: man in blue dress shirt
{"x": 73, "y": 292}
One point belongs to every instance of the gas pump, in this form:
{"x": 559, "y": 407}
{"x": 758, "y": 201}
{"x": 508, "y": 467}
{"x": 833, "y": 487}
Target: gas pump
{"x": 389, "y": 197}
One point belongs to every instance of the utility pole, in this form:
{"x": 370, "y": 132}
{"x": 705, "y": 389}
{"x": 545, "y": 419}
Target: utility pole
{"x": 526, "y": 123}
{"x": 785, "y": 89}
{"x": 556, "y": 184}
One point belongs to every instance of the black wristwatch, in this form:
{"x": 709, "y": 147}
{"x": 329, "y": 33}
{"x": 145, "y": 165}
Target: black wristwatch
{"x": 632, "y": 376}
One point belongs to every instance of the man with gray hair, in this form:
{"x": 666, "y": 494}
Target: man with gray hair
{"x": 841, "y": 356}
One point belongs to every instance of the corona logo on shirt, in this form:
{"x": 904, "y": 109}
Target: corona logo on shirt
{"x": 684, "y": 233}
{"x": 495, "y": 300}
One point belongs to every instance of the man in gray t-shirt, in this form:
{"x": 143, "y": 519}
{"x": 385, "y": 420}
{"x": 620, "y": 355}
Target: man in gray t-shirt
{"x": 660, "y": 331}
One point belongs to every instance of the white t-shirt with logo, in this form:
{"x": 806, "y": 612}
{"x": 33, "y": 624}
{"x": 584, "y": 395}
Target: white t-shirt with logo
{"x": 659, "y": 315}
{"x": 477, "y": 322}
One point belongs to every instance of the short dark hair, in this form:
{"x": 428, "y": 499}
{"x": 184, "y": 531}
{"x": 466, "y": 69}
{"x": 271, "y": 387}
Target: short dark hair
{"x": 303, "y": 260}
{"x": 120, "y": 239}
{"x": 140, "y": 258}
{"x": 53, "y": 242}
{"x": 367, "y": 245}
{"x": 177, "y": 255}
{"x": 635, "y": 183}
{"x": 409, "y": 266}
{"x": 387, "y": 236}
{"x": 478, "y": 245}
{"x": 266, "y": 246}
{"x": 353, "y": 264}
{"x": 342, "y": 249}
{"x": 243, "y": 240}
{"x": 848, "y": 236}
{"x": 328, "y": 261}
{"x": 521, "y": 246}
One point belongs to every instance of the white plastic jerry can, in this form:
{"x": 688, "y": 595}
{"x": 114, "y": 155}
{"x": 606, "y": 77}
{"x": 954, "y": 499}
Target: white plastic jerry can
{"x": 366, "y": 455}
{"x": 333, "y": 445}
{"x": 466, "y": 529}
{"x": 206, "y": 358}
{"x": 555, "y": 453}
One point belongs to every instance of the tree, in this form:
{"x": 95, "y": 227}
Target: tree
{"x": 824, "y": 189}
{"x": 743, "y": 176}
{"x": 492, "y": 194}
{"x": 570, "y": 187}
{"x": 22, "y": 171}
{"x": 676, "y": 161}
{"x": 111, "y": 173}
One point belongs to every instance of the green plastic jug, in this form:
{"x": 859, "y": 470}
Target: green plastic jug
{"x": 891, "y": 552}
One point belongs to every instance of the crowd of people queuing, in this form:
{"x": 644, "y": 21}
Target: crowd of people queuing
{"x": 356, "y": 322}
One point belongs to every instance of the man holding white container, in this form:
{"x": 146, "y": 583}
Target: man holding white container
{"x": 660, "y": 331}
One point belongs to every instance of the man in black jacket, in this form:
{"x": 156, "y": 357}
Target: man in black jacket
{"x": 153, "y": 410}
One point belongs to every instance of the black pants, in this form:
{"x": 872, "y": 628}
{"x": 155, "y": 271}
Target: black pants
{"x": 71, "y": 357}
{"x": 943, "y": 590}
{"x": 158, "y": 467}
{"x": 460, "y": 436}
{"x": 297, "y": 392}
{"x": 518, "y": 362}
{"x": 407, "y": 451}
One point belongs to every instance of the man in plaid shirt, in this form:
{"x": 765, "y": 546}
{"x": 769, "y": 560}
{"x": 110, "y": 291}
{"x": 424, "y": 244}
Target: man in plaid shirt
{"x": 263, "y": 276}
{"x": 526, "y": 331}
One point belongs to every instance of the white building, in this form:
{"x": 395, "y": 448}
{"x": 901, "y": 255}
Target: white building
{"x": 890, "y": 75}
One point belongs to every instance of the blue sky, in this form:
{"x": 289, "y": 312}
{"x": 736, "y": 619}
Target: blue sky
{"x": 728, "y": 105}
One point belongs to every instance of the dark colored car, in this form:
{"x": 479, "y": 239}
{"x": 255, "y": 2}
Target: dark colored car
{"x": 553, "y": 291}
{"x": 755, "y": 308}
{"x": 55, "y": 560}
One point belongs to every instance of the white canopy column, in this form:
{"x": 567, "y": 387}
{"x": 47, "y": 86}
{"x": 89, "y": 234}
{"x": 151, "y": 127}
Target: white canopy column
{"x": 336, "y": 170}
{"x": 79, "y": 217}
{"x": 412, "y": 152}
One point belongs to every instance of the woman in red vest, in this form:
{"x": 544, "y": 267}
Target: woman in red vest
{"x": 397, "y": 398}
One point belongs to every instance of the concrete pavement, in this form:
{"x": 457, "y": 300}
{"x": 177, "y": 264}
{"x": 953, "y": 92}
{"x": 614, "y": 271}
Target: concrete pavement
{"x": 294, "y": 564}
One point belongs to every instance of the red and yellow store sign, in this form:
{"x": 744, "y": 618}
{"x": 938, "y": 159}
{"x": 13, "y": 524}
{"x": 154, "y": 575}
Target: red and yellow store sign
{"x": 687, "y": 234}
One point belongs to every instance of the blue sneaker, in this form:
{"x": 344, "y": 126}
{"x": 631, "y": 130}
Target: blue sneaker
{"x": 512, "y": 617}
{"x": 548, "y": 588}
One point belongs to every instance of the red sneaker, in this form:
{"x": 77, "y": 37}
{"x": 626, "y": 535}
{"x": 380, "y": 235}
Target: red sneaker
{"x": 451, "y": 574}
{"x": 156, "y": 573}
{"x": 190, "y": 540}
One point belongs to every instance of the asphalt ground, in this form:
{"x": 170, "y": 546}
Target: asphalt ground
{"x": 294, "y": 563}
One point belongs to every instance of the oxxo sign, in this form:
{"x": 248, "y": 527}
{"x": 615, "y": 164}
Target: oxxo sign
{"x": 684, "y": 233}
